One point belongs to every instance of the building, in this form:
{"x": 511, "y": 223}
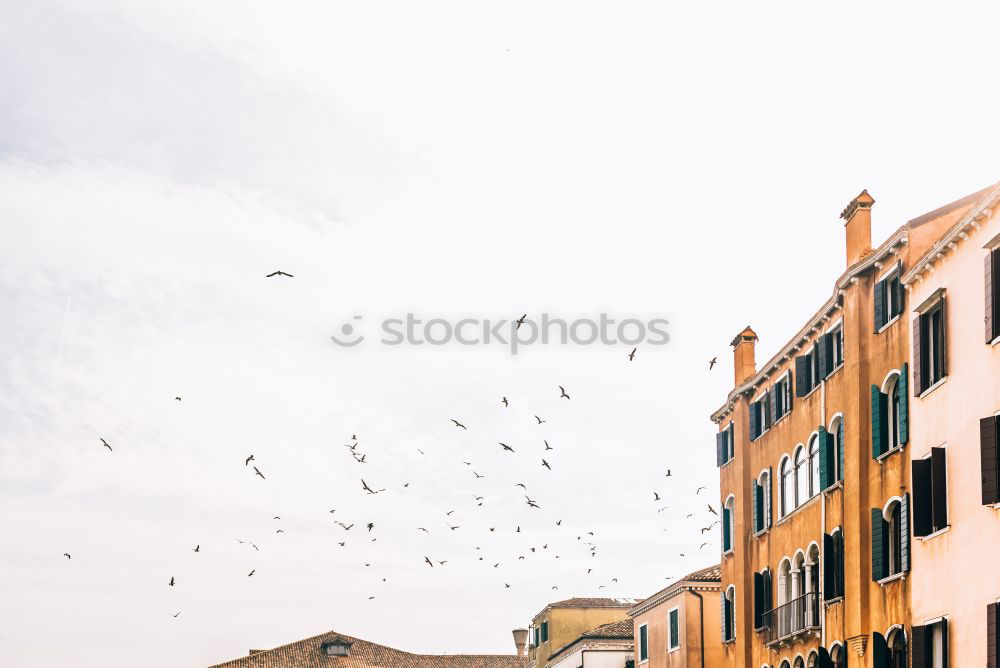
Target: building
{"x": 953, "y": 291}
{"x": 560, "y": 623}
{"x": 815, "y": 479}
{"x": 343, "y": 651}
{"x": 607, "y": 646}
{"x": 679, "y": 626}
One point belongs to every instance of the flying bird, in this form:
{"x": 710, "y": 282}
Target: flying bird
{"x": 711, "y": 363}
{"x": 563, "y": 391}
{"x": 546, "y": 465}
{"x": 478, "y": 476}
{"x": 507, "y": 447}
{"x": 504, "y": 402}
{"x": 712, "y": 510}
{"x": 656, "y": 496}
{"x": 106, "y": 445}
{"x": 422, "y": 529}
{"x": 66, "y": 554}
{"x": 248, "y": 460}
{"x": 459, "y": 424}
{"x": 280, "y": 531}
{"x": 520, "y": 321}
{"x": 177, "y": 399}
{"x": 531, "y": 504}
{"x": 197, "y": 548}
{"x": 702, "y": 545}
{"x": 429, "y": 562}
{"x": 171, "y": 583}
{"x": 257, "y": 472}
{"x": 669, "y": 473}
{"x": 698, "y": 491}
{"x": 368, "y": 489}
{"x": 178, "y": 613}
{"x": 521, "y": 485}
{"x": 631, "y": 355}
{"x": 251, "y": 572}
{"x": 371, "y": 525}
{"x": 346, "y": 527}
{"x": 278, "y": 273}
{"x": 540, "y": 420}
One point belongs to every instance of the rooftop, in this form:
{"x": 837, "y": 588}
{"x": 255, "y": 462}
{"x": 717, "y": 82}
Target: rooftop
{"x": 621, "y": 630}
{"x": 309, "y": 653}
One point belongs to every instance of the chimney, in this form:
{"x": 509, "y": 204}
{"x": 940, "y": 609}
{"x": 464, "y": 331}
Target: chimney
{"x": 858, "y": 224}
{"x": 744, "y": 364}
{"x": 520, "y": 640}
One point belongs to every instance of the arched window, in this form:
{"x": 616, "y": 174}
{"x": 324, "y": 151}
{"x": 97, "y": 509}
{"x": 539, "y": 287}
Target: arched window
{"x": 799, "y": 575}
{"x": 787, "y": 474}
{"x": 785, "y": 664}
{"x": 894, "y": 535}
{"x": 728, "y": 524}
{"x": 801, "y": 476}
{"x": 813, "y": 466}
{"x": 894, "y": 412}
{"x": 762, "y": 502}
{"x": 785, "y": 587}
{"x": 897, "y": 648}
{"x": 799, "y": 663}
{"x": 813, "y": 660}
{"x": 839, "y": 656}
{"x": 837, "y": 431}
{"x": 728, "y": 616}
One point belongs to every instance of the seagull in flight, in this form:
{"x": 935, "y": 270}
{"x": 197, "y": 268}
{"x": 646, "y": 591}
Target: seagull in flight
{"x": 504, "y": 402}
{"x": 478, "y": 476}
{"x": 251, "y": 572}
{"x": 669, "y": 474}
{"x": 546, "y": 465}
{"x": 197, "y": 548}
{"x": 507, "y": 447}
{"x": 257, "y": 471}
{"x": 279, "y": 273}
{"x": 631, "y": 355}
{"x": 248, "y": 460}
{"x": 66, "y": 554}
{"x": 540, "y": 420}
{"x": 547, "y": 446}
{"x": 178, "y": 613}
{"x": 177, "y": 398}
{"x": 712, "y": 362}
{"x": 171, "y": 583}
{"x": 459, "y": 424}
{"x": 698, "y": 491}
{"x": 368, "y": 489}
{"x": 530, "y": 503}
{"x": 520, "y": 321}
{"x": 346, "y": 527}
{"x": 563, "y": 392}
{"x": 712, "y": 510}
{"x": 106, "y": 445}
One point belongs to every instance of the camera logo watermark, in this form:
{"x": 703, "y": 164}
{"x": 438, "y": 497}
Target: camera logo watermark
{"x": 513, "y": 333}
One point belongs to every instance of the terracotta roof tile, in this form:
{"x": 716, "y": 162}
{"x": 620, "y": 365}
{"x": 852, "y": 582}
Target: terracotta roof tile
{"x": 620, "y": 629}
{"x": 594, "y": 603}
{"x": 309, "y": 653}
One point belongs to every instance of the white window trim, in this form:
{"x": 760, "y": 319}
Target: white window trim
{"x": 678, "y": 646}
{"x": 933, "y": 387}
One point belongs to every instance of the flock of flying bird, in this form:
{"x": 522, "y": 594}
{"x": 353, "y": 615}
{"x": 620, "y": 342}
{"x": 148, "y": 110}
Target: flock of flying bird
{"x": 367, "y": 489}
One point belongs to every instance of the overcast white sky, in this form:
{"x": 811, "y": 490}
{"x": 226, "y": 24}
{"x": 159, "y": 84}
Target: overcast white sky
{"x": 454, "y": 160}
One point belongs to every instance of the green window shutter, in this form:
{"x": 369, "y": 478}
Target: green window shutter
{"x": 768, "y": 497}
{"x": 730, "y": 441}
{"x": 917, "y": 356}
{"x": 675, "y": 640}
{"x": 824, "y": 658}
{"x": 879, "y": 295}
{"x": 823, "y": 352}
{"x": 720, "y": 448}
{"x": 723, "y": 617}
{"x": 802, "y": 381}
{"x": 991, "y": 291}
{"x": 829, "y": 566}
{"x": 840, "y": 450}
{"x": 756, "y": 507}
{"x": 904, "y": 530}
{"x": 726, "y": 538}
{"x": 880, "y": 651}
{"x": 758, "y": 600}
{"x": 904, "y": 405}
{"x": 824, "y": 459}
{"x": 754, "y": 420}
{"x": 838, "y": 546}
{"x": 643, "y": 643}
{"x": 879, "y": 425}
{"x": 879, "y": 545}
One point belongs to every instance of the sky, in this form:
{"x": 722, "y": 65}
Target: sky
{"x": 685, "y": 162}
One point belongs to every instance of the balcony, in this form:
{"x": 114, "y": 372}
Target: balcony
{"x": 786, "y": 623}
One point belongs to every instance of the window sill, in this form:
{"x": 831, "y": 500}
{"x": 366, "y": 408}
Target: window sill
{"x": 888, "y": 324}
{"x": 791, "y": 513}
{"x": 995, "y": 341}
{"x": 764, "y": 531}
{"x": 780, "y": 418}
{"x": 811, "y": 391}
{"x": 728, "y": 553}
{"x": 833, "y": 601}
{"x": 671, "y": 650}
{"x": 888, "y": 453}
{"x": 834, "y": 487}
{"x": 892, "y": 578}
{"x": 933, "y": 387}
{"x": 729, "y": 642}
{"x": 935, "y": 534}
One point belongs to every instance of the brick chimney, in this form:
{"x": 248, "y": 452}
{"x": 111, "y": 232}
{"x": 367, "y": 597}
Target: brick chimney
{"x": 858, "y": 225}
{"x": 744, "y": 364}
{"x": 520, "y": 640}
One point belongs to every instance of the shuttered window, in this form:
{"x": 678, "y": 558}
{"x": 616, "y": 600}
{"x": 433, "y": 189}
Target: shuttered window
{"x": 545, "y": 631}
{"x": 827, "y": 459}
{"x": 880, "y": 430}
{"x": 803, "y": 375}
{"x": 992, "y": 318}
{"x": 762, "y": 599}
{"x": 674, "y": 640}
{"x": 643, "y": 643}
{"x": 888, "y": 299}
{"x": 891, "y": 539}
{"x": 992, "y": 641}
{"x": 930, "y": 493}
{"x": 726, "y": 616}
{"x": 988, "y": 430}
{"x": 781, "y": 398}
{"x": 930, "y": 345}
{"x": 725, "y": 446}
{"x": 833, "y": 565}
{"x": 929, "y": 645}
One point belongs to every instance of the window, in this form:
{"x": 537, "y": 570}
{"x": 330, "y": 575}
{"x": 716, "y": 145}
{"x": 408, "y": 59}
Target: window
{"x": 763, "y": 600}
{"x": 801, "y": 476}
{"x": 336, "y": 647}
{"x": 762, "y": 501}
{"x": 890, "y": 414}
{"x": 785, "y": 664}
{"x": 930, "y": 493}
{"x": 929, "y": 345}
{"x": 837, "y": 457}
{"x": 728, "y": 621}
{"x": 781, "y": 397}
{"x": 787, "y": 474}
{"x": 673, "y": 619}
{"x": 799, "y": 663}
{"x": 897, "y": 649}
{"x": 760, "y": 416}
{"x": 992, "y": 639}
{"x": 813, "y": 660}
{"x": 888, "y": 299}
{"x": 724, "y": 446}
{"x": 992, "y": 318}
{"x": 728, "y": 518}
{"x": 891, "y": 539}
{"x": 989, "y": 459}
{"x": 545, "y": 631}
{"x": 833, "y": 564}
{"x": 536, "y": 636}
{"x": 838, "y": 655}
{"x": 643, "y": 643}
{"x": 806, "y": 376}
{"x": 836, "y": 346}
{"x": 813, "y": 466}
{"x": 930, "y": 644}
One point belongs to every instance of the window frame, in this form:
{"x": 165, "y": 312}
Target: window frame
{"x": 642, "y": 643}
{"x": 676, "y": 613}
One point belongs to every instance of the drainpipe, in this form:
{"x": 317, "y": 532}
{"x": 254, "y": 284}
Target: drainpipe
{"x": 822, "y": 544}
{"x": 701, "y": 622}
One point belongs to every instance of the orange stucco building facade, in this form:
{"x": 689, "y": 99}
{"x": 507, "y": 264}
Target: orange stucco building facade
{"x": 814, "y": 452}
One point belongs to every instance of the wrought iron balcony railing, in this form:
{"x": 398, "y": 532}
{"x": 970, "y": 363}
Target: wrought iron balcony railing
{"x": 798, "y": 616}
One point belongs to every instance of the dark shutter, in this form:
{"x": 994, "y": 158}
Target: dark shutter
{"x": 920, "y": 646}
{"x": 720, "y": 445}
{"x": 991, "y": 636}
{"x": 904, "y": 533}
{"x": 944, "y": 643}
{"x": 788, "y": 393}
{"x": 900, "y": 291}
{"x": 731, "y": 441}
{"x": 754, "y": 421}
{"x": 802, "y": 381}
{"x": 772, "y": 400}
{"x": 838, "y": 545}
{"x": 823, "y": 354}
{"x": 827, "y": 470}
{"x": 768, "y": 592}
{"x": 829, "y": 567}
{"x": 942, "y": 337}
{"x": 880, "y": 651}
{"x": 770, "y": 499}
{"x": 840, "y": 450}
{"x": 758, "y": 600}
{"x": 879, "y": 425}
{"x": 878, "y": 545}
{"x": 904, "y": 406}
{"x": 756, "y": 507}
{"x": 824, "y": 659}
{"x": 767, "y": 409}
{"x": 726, "y": 537}
{"x": 723, "y": 617}
{"x": 990, "y": 324}
{"x": 923, "y": 518}
{"x": 917, "y": 385}
{"x": 939, "y": 487}
{"x": 988, "y": 460}
{"x": 879, "y": 295}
